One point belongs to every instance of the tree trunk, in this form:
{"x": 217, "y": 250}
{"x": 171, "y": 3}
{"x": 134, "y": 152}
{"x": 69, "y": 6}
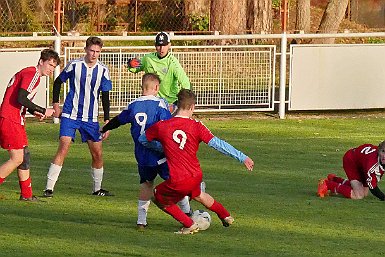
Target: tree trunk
{"x": 228, "y": 17}
{"x": 302, "y": 21}
{"x": 196, "y": 7}
{"x": 331, "y": 19}
{"x": 259, "y": 16}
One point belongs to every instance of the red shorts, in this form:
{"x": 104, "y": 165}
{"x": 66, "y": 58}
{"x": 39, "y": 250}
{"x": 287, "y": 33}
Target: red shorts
{"x": 12, "y": 135}
{"x": 168, "y": 193}
{"x": 351, "y": 168}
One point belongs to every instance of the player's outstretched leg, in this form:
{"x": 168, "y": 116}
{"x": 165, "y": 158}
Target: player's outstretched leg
{"x": 210, "y": 203}
{"x": 189, "y": 226}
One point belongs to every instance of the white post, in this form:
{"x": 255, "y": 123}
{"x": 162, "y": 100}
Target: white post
{"x": 56, "y": 72}
{"x": 58, "y": 50}
{"x": 282, "y": 77}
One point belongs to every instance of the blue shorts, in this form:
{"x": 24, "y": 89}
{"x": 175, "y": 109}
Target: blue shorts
{"x": 87, "y": 130}
{"x": 148, "y": 173}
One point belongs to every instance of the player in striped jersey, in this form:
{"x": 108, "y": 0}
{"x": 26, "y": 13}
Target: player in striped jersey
{"x": 364, "y": 167}
{"x": 87, "y": 77}
{"x": 17, "y": 99}
{"x": 141, "y": 114}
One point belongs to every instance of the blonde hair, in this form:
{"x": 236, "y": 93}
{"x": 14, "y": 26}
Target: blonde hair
{"x": 149, "y": 80}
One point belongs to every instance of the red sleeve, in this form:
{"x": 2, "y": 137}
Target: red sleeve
{"x": 205, "y": 133}
{"x": 372, "y": 183}
{"x": 29, "y": 79}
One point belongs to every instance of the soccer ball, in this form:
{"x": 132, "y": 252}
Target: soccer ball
{"x": 202, "y": 218}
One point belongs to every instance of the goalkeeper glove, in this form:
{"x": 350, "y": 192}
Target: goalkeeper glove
{"x": 134, "y": 63}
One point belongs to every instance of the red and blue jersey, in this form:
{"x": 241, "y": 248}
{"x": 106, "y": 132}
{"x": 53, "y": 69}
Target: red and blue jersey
{"x": 85, "y": 85}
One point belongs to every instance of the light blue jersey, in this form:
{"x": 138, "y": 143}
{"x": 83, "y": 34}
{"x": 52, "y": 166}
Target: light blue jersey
{"x": 85, "y": 85}
{"x": 141, "y": 114}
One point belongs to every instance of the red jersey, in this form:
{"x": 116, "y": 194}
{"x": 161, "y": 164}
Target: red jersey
{"x": 366, "y": 159}
{"x": 180, "y": 138}
{"x": 28, "y": 79}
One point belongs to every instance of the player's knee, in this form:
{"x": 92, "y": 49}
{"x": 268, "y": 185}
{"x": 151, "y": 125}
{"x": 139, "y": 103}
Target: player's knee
{"x": 97, "y": 156}
{"x": 26, "y": 159}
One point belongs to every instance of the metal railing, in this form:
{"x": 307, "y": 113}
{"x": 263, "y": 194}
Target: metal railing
{"x": 281, "y": 46}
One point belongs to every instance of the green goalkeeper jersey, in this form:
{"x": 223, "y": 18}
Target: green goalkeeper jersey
{"x": 172, "y": 76}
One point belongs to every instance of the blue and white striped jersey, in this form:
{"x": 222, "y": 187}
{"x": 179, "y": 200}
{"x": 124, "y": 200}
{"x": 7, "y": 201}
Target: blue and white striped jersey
{"x": 141, "y": 114}
{"x": 85, "y": 84}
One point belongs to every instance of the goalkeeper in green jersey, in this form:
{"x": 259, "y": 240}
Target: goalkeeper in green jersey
{"x": 172, "y": 76}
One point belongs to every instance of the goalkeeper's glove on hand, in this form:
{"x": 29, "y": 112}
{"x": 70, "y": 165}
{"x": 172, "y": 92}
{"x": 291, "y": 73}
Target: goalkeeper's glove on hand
{"x": 134, "y": 63}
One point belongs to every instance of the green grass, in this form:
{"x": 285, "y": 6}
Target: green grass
{"x": 276, "y": 209}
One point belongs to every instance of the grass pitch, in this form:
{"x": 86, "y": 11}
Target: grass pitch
{"x": 275, "y": 207}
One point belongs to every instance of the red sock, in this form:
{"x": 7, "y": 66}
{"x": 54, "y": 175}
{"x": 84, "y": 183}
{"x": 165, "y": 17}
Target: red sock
{"x": 2, "y": 180}
{"x": 179, "y": 215}
{"x": 219, "y": 210}
{"x": 26, "y": 188}
{"x": 342, "y": 189}
{"x": 345, "y": 190}
{"x": 341, "y": 181}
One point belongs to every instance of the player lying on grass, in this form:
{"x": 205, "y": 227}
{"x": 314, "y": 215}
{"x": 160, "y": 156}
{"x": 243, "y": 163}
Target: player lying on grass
{"x": 141, "y": 114}
{"x": 364, "y": 167}
{"x": 180, "y": 137}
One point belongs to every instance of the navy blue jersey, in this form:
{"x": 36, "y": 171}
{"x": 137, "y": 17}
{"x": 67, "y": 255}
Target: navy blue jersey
{"x": 141, "y": 114}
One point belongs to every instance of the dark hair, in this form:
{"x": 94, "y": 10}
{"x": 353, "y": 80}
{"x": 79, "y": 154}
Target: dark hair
{"x": 148, "y": 79}
{"x": 94, "y": 41}
{"x": 48, "y": 54}
{"x": 381, "y": 147}
{"x": 186, "y": 98}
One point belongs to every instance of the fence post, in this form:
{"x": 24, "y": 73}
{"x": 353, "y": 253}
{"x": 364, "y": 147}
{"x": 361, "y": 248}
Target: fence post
{"x": 56, "y": 72}
{"x": 282, "y": 77}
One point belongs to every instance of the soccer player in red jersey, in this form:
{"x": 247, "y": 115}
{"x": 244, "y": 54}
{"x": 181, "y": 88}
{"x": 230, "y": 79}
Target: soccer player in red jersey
{"x": 364, "y": 167}
{"x": 180, "y": 137}
{"x": 17, "y": 100}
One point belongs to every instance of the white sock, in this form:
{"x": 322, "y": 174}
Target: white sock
{"x": 52, "y": 176}
{"x": 97, "y": 176}
{"x": 203, "y": 186}
{"x": 142, "y": 211}
{"x": 184, "y": 204}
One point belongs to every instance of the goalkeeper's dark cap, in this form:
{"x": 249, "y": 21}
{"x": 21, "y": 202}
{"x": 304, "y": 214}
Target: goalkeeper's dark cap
{"x": 162, "y": 39}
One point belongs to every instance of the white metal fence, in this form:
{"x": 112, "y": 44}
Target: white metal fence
{"x": 240, "y": 70}
{"x": 223, "y": 77}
